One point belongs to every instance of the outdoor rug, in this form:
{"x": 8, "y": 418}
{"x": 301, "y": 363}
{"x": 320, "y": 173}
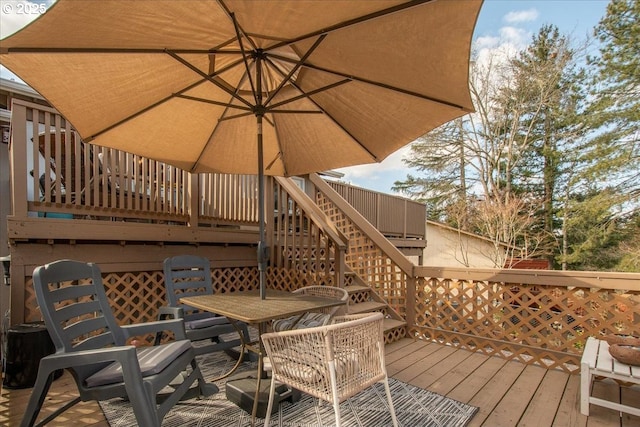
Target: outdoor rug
{"x": 414, "y": 407}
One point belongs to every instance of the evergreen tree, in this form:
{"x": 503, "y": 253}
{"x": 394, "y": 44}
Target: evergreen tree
{"x": 550, "y": 83}
{"x": 615, "y": 112}
{"x": 603, "y": 227}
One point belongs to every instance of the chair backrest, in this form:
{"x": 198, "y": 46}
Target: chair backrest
{"x": 75, "y": 308}
{"x": 328, "y": 292}
{"x": 353, "y": 345}
{"x": 185, "y": 276}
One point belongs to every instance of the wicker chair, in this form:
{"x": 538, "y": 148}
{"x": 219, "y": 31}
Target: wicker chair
{"x": 321, "y": 318}
{"x": 332, "y": 362}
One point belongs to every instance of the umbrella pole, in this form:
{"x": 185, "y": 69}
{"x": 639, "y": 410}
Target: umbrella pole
{"x": 262, "y": 244}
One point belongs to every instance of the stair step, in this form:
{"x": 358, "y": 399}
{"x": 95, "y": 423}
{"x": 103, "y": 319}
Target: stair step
{"x": 352, "y": 289}
{"x": 363, "y": 307}
{"x": 393, "y": 323}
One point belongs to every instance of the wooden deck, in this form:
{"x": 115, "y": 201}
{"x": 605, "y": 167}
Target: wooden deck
{"x": 507, "y": 393}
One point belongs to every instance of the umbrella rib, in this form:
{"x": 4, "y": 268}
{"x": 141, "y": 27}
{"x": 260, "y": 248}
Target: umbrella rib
{"x": 296, "y": 111}
{"x": 310, "y": 93}
{"x": 210, "y": 101}
{"x": 108, "y": 50}
{"x": 244, "y": 54}
{"x": 235, "y": 116}
{"x": 303, "y": 93}
{"x": 351, "y": 22}
{"x": 232, "y": 17}
{"x": 208, "y": 77}
{"x": 295, "y": 68}
{"x": 379, "y": 84}
{"x": 338, "y": 124}
{"x": 142, "y": 111}
{"x": 160, "y": 51}
{"x": 178, "y": 94}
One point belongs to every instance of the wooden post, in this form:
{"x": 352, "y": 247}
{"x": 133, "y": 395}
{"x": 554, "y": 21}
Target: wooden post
{"x": 193, "y": 197}
{"x": 340, "y": 266}
{"x": 18, "y": 159}
{"x": 411, "y": 302}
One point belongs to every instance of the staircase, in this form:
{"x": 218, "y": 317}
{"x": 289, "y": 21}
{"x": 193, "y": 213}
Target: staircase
{"x": 315, "y": 237}
{"x": 363, "y": 299}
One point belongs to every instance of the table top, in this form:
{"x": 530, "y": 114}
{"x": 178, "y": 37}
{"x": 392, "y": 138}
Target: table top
{"x": 247, "y": 306}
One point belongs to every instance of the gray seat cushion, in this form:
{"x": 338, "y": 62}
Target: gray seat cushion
{"x": 206, "y": 322}
{"x": 308, "y": 320}
{"x": 152, "y": 361}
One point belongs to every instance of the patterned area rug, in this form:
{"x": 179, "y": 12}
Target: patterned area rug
{"x": 414, "y": 407}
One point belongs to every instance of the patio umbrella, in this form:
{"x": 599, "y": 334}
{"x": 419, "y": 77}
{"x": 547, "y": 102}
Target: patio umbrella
{"x": 269, "y": 87}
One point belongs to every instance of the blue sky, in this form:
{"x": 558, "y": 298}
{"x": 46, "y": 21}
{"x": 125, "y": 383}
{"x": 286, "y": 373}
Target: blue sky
{"x": 501, "y": 23}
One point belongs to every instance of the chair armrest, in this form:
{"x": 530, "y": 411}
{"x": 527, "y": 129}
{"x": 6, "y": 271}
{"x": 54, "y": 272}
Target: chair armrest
{"x": 167, "y": 312}
{"x": 176, "y": 326}
{"x": 122, "y": 354}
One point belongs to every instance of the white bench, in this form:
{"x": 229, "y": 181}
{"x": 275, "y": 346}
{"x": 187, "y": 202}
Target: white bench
{"x": 596, "y": 361}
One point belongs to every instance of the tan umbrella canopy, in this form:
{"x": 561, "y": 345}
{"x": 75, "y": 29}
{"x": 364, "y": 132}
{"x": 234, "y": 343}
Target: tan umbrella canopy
{"x": 245, "y": 86}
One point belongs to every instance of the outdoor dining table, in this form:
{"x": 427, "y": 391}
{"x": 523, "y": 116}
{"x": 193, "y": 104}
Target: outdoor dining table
{"x": 248, "y": 307}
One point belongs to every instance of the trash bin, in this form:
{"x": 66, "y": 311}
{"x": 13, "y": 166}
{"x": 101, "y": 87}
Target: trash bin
{"x": 27, "y": 343}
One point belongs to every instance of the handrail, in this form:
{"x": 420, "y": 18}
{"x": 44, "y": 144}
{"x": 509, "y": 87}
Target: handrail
{"x": 591, "y": 279}
{"x": 314, "y": 212}
{"x": 361, "y": 222}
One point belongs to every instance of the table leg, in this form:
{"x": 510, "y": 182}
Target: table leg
{"x": 261, "y": 330}
{"x": 247, "y": 391}
{"x": 244, "y": 341}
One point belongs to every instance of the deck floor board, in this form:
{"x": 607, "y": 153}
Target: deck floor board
{"x": 568, "y": 412}
{"x": 508, "y": 393}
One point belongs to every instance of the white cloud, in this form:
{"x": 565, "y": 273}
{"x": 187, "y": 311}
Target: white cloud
{"x": 487, "y": 42}
{"x": 521, "y": 16}
{"x": 390, "y": 164}
{"x": 515, "y": 36}
{"x": 499, "y": 49}
{"x": 373, "y": 172}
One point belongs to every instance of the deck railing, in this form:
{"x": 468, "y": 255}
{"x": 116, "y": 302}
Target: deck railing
{"x": 541, "y": 316}
{"x": 58, "y": 174}
{"x": 393, "y": 216}
{"x": 535, "y": 316}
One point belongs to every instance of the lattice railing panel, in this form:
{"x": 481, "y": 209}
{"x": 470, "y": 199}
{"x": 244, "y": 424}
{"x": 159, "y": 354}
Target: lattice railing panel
{"x": 394, "y": 334}
{"x": 547, "y": 325}
{"x": 367, "y": 260}
{"x": 136, "y": 296}
{"x": 359, "y": 297}
{"x": 235, "y": 279}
